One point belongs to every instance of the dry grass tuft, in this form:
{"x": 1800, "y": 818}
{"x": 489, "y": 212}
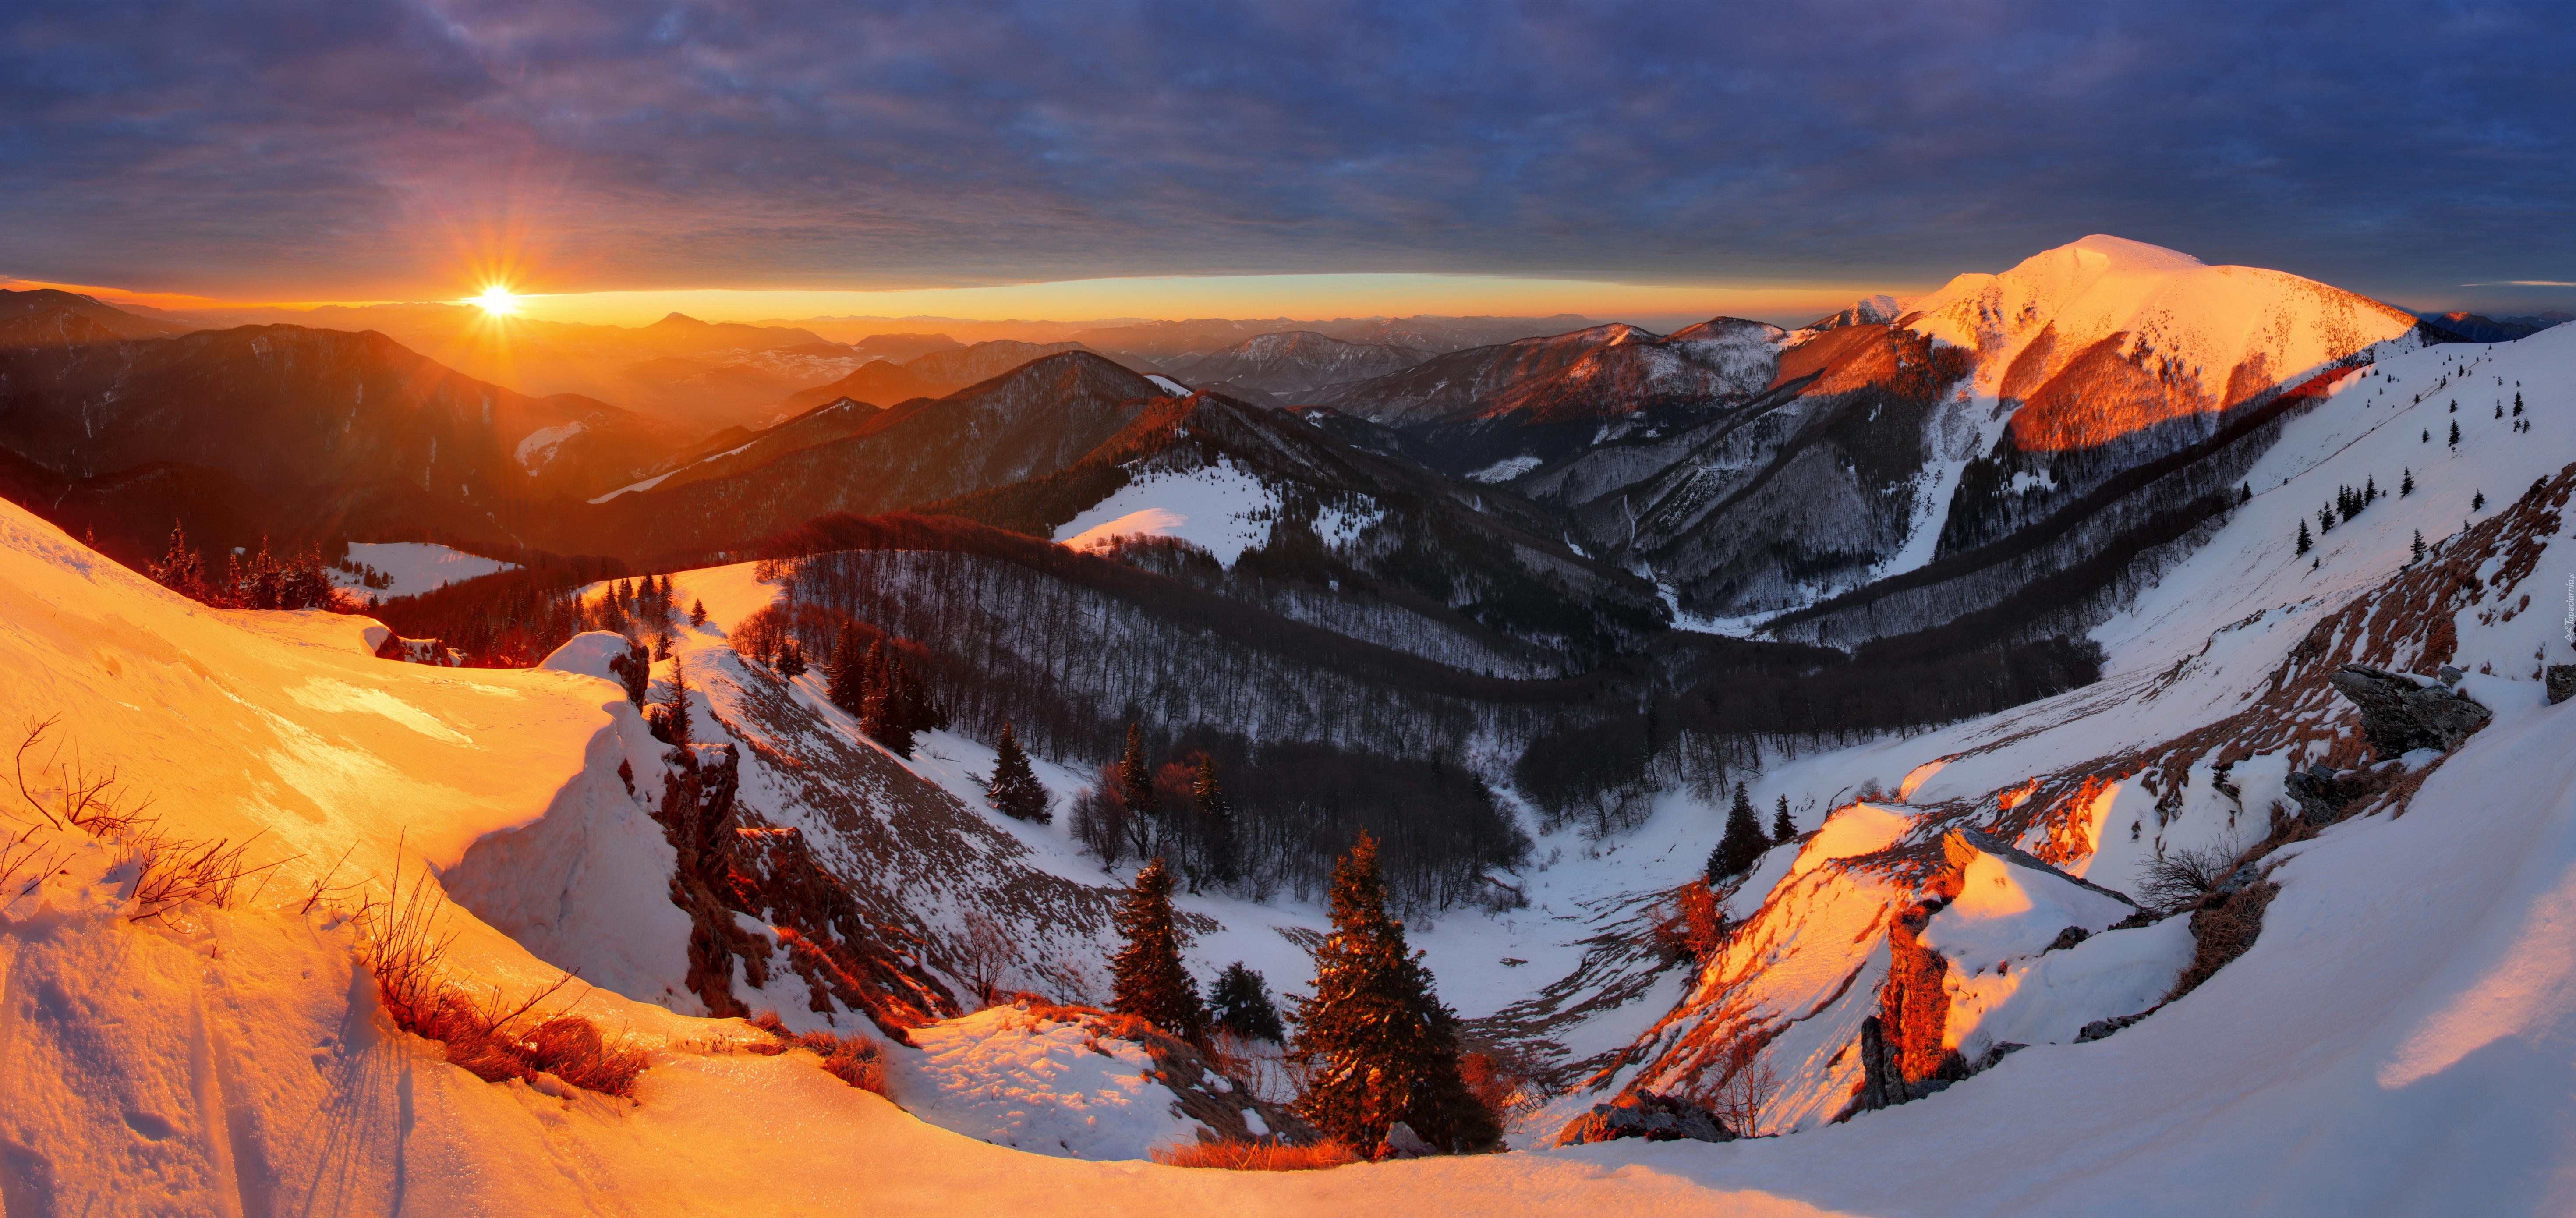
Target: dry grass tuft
{"x": 854, "y": 1059}
{"x": 2223, "y": 929}
{"x": 1254, "y": 1156}
{"x": 405, "y": 947}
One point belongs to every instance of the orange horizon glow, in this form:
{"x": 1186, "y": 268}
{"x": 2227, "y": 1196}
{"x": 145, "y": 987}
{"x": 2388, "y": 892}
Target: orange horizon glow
{"x": 1303, "y": 297}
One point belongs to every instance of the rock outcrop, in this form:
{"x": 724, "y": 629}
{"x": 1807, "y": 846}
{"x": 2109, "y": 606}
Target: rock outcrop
{"x": 2400, "y": 713}
{"x": 1642, "y": 1114}
{"x": 2562, "y": 683}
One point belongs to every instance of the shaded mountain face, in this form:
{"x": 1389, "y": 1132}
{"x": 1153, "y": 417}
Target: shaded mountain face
{"x": 2472, "y": 327}
{"x": 1295, "y": 363}
{"x": 935, "y": 374}
{"x": 1493, "y": 413}
{"x": 1445, "y": 334}
{"x": 27, "y": 316}
{"x": 1031, "y": 421}
{"x": 343, "y": 432}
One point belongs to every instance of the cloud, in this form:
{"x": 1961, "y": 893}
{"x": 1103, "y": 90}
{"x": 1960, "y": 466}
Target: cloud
{"x": 369, "y": 150}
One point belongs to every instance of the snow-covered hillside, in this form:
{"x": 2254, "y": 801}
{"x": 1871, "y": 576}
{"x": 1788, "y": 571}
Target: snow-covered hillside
{"x": 413, "y": 567}
{"x": 2398, "y": 1039}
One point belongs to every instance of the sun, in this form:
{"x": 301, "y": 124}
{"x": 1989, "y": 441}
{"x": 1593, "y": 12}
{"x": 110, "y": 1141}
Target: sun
{"x": 498, "y": 301}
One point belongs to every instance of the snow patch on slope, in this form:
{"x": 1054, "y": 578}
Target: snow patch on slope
{"x": 416, "y": 566}
{"x": 1219, "y": 508}
{"x": 538, "y": 450}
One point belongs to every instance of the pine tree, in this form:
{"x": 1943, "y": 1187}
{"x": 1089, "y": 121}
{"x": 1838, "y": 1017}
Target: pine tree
{"x": 2499, "y": 410}
{"x": 2369, "y": 490}
{"x": 2304, "y": 543}
{"x": 1382, "y": 1049}
{"x": 1015, "y": 790}
{"x": 791, "y": 660}
{"x": 845, "y": 674}
{"x": 2478, "y": 504}
{"x": 881, "y": 711}
{"x": 181, "y": 570}
{"x": 2517, "y": 404}
{"x": 1146, "y": 977}
{"x": 675, "y": 708}
{"x": 2428, "y": 435}
{"x": 2419, "y": 546}
{"x": 2407, "y": 487}
{"x": 1240, "y": 1003}
{"x": 1217, "y": 847}
{"x": 1135, "y": 781}
{"x": 2245, "y": 493}
{"x": 2455, "y": 433}
{"x": 1782, "y": 828}
{"x": 1743, "y": 844}
{"x": 697, "y": 613}
{"x": 2325, "y": 519}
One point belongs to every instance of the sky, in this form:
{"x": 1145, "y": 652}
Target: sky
{"x": 1316, "y": 158}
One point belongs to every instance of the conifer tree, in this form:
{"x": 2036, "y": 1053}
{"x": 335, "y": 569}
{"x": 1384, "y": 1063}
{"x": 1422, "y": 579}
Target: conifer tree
{"x": 845, "y": 674}
{"x": 697, "y": 613}
{"x": 2455, "y": 433}
{"x": 2478, "y": 504}
{"x": 791, "y": 660}
{"x": 1217, "y": 849}
{"x": 1743, "y": 844}
{"x": 1135, "y": 781}
{"x": 2245, "y": 493}
{"x": 1380, "y": 1047}
{"x": 675, "y": 707}
{"x": 880, "y": 711}
{"x": 180, "y": 570}
{"x": 2304, "y": 543}
{"x": 2419, "y": 546}
{"x": 1240, "y": 1003}
{"x": 2517, "y": 404}
{"x": 2369, "y": 490}
{"x": 2499, "y": 410}
{"x": 1146, "y": 977}
{"x": 2407, "y": 486}
{"x": 2428, "y": 435}
{"x": 1782, "y": 828}
{"x": 1015, "y": 791}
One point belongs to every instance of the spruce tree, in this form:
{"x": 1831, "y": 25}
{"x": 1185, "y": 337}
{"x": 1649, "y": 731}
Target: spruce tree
{"x": 2517, "y": 404}
{"x": 1015, "y": 791}
{"x": 1380, "y": 1047}
{"x": 845, "y": 674}
{"x": 2478, "y": 504}
{"x": 1135, "y": 781}
{"x": 1217, "y": 848}
{"x": 2455, "y": 433}
{"x": 675, "y": 707}
{"x": 1146, "y": 977}
{"x": 1743, "y": 844}
{"x": 697, "y": 613}
{"x": 2407, "y": 486}
{"x": 2245, "y": 493}
{"x": 1782, "y": 828}
{"x": 1240, "y": 1003}
{"x": 2418, "y": 550}
{"x": 2304, "y": 543}
{"x": 180, "y": 570}
{"x": 791, "y": 660}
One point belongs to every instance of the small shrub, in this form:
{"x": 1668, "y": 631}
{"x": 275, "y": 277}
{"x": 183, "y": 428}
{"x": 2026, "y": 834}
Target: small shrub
{"x": 1239, "y": 1155}
{"x": 854, "y": 1059}
{"x": 2223, "y": 929}
{"x": 2183, "y": 877}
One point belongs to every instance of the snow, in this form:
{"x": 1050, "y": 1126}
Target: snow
{"x": 2400, "y": 1039}
{"x": 1015, "y": 1079}
{"x": 1506, "y": 469}
{"x": 645, "y": 485}
{"x": 415, "y": 566}
{"x": 1219, "y": 508}
{"x": 1170, "y": 387}
{"x": 538, "y": 450}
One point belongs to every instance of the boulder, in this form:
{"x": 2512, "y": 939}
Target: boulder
{"x": 2318, "y": 793}
{"x": 1403, "y": 1143}
{"x": 2562, "y": 683}
{"x": 1643, "y": 1114}
{"x": 2400, "y": 714}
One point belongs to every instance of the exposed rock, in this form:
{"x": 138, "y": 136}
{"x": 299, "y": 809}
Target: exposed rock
{"x": 2066, "y": 938}
{"x": 2400, "y": 713}
{"x": 2562, "y": 683}
{"x": 2317, "y": 793}
{"x": 1642, "y": 1114}
{"x": 1403, "y": 1143}
{"x": 2100, "y": 1028}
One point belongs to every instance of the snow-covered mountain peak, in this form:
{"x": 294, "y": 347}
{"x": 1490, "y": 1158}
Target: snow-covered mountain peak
{"x": 2105, "y": 335}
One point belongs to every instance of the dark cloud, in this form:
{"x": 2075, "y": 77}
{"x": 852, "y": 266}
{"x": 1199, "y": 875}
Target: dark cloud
{"x": 354, "y": 149}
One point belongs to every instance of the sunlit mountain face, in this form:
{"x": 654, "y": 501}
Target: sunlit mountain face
{"x": 1102, "y": 610}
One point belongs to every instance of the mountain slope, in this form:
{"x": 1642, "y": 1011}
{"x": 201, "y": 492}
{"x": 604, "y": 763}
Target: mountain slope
{"x": 1296, "y": 362}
